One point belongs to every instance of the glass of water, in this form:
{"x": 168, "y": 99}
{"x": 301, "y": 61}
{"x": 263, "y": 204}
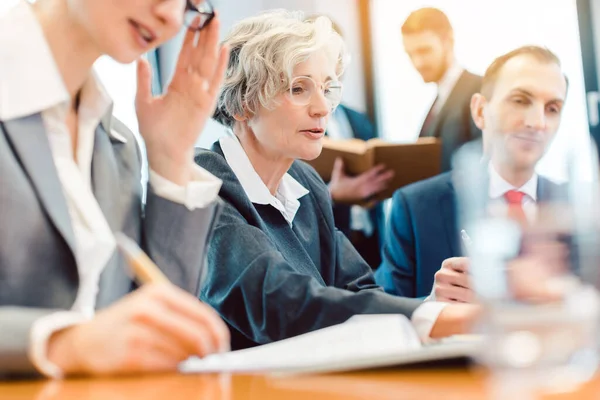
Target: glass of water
{"x": 534, "y": 269}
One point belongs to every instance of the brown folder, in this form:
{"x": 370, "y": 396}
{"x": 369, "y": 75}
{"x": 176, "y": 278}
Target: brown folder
{"x": 411, "y": 162}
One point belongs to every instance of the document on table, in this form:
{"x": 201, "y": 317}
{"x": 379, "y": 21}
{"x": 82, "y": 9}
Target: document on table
{"x": 364, "y": 341}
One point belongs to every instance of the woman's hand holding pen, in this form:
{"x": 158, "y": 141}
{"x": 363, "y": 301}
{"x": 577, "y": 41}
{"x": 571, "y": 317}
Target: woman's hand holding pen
{"x": 150, "y": 330}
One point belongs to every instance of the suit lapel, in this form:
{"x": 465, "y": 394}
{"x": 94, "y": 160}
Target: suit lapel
{"x": 358, "y": 124}
{"x": 448, "y": 207}
{"x": 114, "y": 281}
{"x": 449, "y": 104}
{"x": 550, "y": 191}
{"x": 105, "y": 178}
{"x": 30, "y": 142}
{"x": 542, "y": 190}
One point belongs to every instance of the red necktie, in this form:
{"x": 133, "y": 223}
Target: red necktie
{"x": 514, "y": 199}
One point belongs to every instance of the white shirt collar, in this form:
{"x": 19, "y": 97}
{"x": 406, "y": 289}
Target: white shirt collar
{"x": 288, "y": 192}
{"x": 30, "y": 81}
{"x": 448, "y": 82}
{"x": 499, "y": 186}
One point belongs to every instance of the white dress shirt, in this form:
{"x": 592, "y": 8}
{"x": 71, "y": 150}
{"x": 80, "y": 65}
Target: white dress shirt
{"x": 289, "y": 191}
{"x": 30, "y": 83}
{"x": 286, "y": 202}
{"x": 499, "y": 186}
{"x": 339, "y": 128}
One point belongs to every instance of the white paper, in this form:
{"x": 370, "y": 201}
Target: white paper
{"x": 364, "y": 337}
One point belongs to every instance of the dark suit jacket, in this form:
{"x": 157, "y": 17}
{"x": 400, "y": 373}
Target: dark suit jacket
{"x": 422, "y": 232}
{"x": 38, "y": 271}
{"x": 454, "y": 124}
{"x": 363, "y": 129}
{"x": 270, "y": 281}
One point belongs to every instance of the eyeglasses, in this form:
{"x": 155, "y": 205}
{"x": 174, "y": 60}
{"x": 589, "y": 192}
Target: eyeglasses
{"x": 303, "y": 88}
{"x": 198, "y": 13}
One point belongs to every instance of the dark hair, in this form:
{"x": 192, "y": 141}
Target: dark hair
{"x": 490, "y": 77}
{"x": 427, "y": 19}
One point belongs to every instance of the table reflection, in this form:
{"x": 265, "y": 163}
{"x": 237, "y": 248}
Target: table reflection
{"x": 149, "y": 387}
{"x": 449, "y": 384}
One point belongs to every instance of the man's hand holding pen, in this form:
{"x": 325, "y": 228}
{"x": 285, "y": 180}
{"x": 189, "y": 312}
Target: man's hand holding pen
{"x": 452, "y": 282}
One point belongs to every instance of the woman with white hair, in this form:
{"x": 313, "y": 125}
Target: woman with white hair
{"x": 278, "y": 267}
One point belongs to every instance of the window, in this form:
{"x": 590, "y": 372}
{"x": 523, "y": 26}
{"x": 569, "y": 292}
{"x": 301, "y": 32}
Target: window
{"x": 6, "y": 4}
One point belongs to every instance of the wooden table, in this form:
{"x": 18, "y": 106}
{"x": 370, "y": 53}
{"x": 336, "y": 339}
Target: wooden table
{"x": 446, "y": 385}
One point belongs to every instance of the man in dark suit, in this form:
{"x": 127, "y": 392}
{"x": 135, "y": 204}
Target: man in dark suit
{"x": 361, "y": 225}
{"x": 519, "y": 110}
{"x": 428, "y": 40}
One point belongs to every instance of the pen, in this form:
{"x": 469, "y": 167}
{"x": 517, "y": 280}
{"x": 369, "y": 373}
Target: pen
{"x": 466, "y": 239}
{"x": 143, "y": 267}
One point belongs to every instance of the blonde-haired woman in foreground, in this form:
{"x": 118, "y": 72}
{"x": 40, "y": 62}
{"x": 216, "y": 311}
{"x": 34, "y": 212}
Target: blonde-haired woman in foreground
{"x": 70, "y": 178}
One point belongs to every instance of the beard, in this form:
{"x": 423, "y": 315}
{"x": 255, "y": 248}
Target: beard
{"x": 435, "y": 73}
{"x": 442, "y": 68}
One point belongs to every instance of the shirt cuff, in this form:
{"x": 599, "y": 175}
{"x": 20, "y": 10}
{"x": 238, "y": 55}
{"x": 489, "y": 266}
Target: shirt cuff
{"x": 425, "y": 317}
{"x": 41, "y": 331}
{"x": 199, "y": 193}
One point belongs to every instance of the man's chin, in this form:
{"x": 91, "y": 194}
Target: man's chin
{"x": 527, "y": 152}
{"x": 528, "y": 161}
{"x": 431, "y": 77}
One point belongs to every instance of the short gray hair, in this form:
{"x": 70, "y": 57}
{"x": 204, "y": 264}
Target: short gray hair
{"x": 264, "y": 51}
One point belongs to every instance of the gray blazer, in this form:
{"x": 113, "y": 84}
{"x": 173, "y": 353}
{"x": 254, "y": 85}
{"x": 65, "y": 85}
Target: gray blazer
{"x": 38, "y": 273}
